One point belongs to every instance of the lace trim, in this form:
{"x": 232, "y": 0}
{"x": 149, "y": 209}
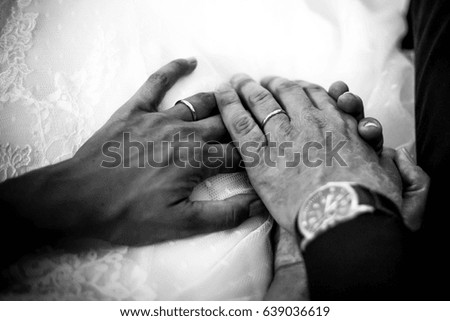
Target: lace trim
{"x": 93, "y": 275}
{"x": 15, "y": 41}
{"x": 12, "y": 160}
{"x": 74, "y": 94}
{"x": 5, "y": 11}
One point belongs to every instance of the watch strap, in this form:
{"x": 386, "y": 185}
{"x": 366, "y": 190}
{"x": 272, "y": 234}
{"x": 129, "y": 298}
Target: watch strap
{"x": 377, "y": 200}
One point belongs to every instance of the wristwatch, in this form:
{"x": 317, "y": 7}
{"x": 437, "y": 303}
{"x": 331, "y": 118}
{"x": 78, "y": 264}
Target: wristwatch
{"x": 335, "y": 203}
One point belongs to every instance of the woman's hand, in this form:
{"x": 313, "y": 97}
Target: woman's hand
{"x": 130, "y": 182}
{"x": 415, "y": 181}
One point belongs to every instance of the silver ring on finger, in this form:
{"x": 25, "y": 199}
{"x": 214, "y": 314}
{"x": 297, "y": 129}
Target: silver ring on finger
{"x": 270, "y": 115}
{"x": 190, "y": 106}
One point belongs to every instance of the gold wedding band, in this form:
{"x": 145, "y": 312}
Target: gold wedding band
{"x": 270, "y": 115}
{"x": 190, "y": 106}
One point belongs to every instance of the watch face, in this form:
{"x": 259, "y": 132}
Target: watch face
{"x": 325, "y": 206}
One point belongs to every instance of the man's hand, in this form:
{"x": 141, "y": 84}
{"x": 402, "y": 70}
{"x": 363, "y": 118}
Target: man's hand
{"x": 288, "y": 262}
{"x": 130, "y": 183}
{"x": 314, "y": 128}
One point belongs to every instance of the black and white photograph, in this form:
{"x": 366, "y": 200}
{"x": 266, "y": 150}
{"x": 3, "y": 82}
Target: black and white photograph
{"x": 225, "y": 150}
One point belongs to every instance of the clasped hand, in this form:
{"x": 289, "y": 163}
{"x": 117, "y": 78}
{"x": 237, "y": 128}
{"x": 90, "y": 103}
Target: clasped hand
{"x": 141, "y": 204}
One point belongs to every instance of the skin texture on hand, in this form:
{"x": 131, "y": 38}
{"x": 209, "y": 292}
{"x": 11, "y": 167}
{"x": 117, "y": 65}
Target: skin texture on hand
{"x": 132, "y": 201}
{"x": 311, "y": 114}
{"x": 290, "y": 279}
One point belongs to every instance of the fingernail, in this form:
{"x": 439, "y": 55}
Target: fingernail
{"x": 192, "y": 61}
{"x": 370, "y": 124}
{"x": 224, "y": 87}
{"x": 408, "y": 155}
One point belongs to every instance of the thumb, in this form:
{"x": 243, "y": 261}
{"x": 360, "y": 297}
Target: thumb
{"x": 416, "y": 184}
{"x": 213, "y": 216}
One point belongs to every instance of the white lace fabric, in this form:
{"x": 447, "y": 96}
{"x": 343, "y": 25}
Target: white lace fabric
{"x": 66, "y": 66}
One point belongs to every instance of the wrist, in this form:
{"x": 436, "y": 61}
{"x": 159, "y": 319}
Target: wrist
{"x": 43, "y": 196}
{"x": 336, "y": 203}
{"x": 370, "y": 175}
{"x": 376, "y": 182}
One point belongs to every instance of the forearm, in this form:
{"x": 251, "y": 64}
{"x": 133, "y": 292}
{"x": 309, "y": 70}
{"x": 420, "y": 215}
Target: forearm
{"x": 38, "y": 208}
{"x": 360, "y": 259}
{"x": 27, "y": 218}
{"x": 20, "y": 236}
{"x": 38, "y": 196}
{"x": 64, "y": 196}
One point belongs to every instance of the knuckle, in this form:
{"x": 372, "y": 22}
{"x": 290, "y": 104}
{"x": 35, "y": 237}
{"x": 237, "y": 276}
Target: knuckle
{"x": 313, "y": 87}
{"x": 160, "y": 78}
{"x": 243, "y": 124}
{"x": 228, "y": 98}
{"x": 268, "y": 81}
{"x": 287, "y": 85}
{"x": 241, "y": 80}
{"x": 316, "y": 118}
{"x": 286, "y": 129}
{"x": 260, "y": 97}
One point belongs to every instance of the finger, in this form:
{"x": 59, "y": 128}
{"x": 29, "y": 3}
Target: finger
{"x": 210, "y": 216}
{"x": 260, "y": 102}
{"x": 351, "y": 104}
{"x": 416, "y": 184}
{"x": 220, "y": 158}
{"x": 289, "y": 95}
{"x": 238, "y": 121}
{"x": 318, "y": 95}
{"x": 371, "y": 131}
{"x": 204, "y": 105}
{"x": 337, "y": 89}
{"x": 212, "y": 129}
{"x": 148, "y": 97}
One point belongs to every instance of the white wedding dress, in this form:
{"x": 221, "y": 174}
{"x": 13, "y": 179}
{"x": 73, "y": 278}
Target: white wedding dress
{"x": 67, "y": 65}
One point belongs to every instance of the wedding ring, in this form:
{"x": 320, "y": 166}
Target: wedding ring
{"x": 188, "y": 105}
{"x": 275, "y": 112}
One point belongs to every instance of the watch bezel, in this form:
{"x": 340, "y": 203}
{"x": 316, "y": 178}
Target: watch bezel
{"x": 355, "y": 209}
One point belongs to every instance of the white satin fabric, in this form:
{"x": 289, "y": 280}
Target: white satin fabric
{"x": 67, "y": 65}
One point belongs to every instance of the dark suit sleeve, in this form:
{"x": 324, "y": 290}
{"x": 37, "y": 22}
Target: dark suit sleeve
{"x": 362, "y": 259}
